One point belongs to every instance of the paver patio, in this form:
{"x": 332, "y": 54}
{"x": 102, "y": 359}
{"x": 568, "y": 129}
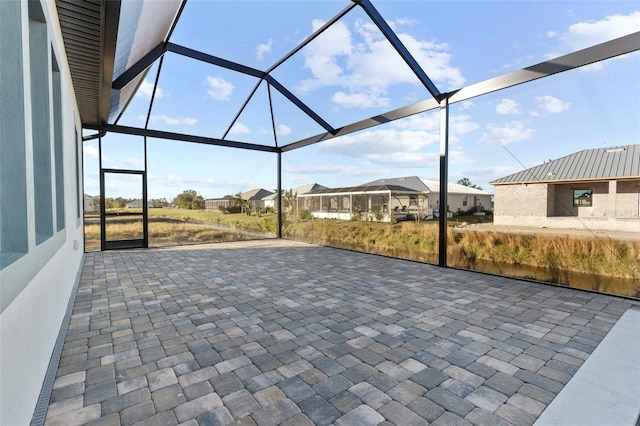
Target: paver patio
{"x": 278, "y": 332}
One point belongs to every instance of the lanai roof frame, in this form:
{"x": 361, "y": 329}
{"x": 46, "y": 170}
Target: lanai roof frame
{"x": 138, "y": 69}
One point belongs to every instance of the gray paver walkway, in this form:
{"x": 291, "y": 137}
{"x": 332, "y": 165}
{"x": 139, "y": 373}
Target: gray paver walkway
{"x": 277, "y": 332}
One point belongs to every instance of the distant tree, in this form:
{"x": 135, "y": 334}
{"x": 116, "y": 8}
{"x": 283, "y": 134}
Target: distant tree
{"x": 158, "y": 202}
{"x": 116, "y": 203}
{"x": 245, "y": 206}
{"x": 189, "y": 199}
{"x": 289, "y": 201}
{"x": 467, "y": 182}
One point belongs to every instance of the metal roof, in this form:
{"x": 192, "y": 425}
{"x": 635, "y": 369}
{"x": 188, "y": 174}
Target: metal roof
{"x": 429, "y": 185}
{"x": 620, "y": 162}
{"x": 361, "y": 189}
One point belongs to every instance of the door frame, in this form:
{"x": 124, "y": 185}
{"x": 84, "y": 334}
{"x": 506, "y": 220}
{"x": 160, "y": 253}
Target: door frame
{"x": 123, "y": 244}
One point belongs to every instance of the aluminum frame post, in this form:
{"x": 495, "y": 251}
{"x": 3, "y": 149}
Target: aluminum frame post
{"x": 444, "y": 179}
{"x": 279, "y": 196}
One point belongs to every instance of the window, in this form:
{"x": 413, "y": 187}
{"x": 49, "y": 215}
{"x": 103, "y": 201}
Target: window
{"x": 79, "y": 195}
{"x": 464, "y": 200}
{"x": 40, "y": 122}
{"x": 57, "y": 143}
{"x": 582, "y": 197}
{"x": 14, "y": 241}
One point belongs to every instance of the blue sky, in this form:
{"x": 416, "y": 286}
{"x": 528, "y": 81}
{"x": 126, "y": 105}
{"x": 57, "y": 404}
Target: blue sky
{"x": 351, "y": 73}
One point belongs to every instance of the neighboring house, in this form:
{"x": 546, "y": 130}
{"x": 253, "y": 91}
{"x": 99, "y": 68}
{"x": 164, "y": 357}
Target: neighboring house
{"x": 406, "y": 197}
{"x": 255, "y": 197}
{"x": 460, "y": 198}
{"x": 88, "y": 203}
{"x": 216, "y": 203}
{"x": 303, "y": 189}
{"x": 594, "y": 188}
{"x": 135, "y": 204}
{"x": 367, "y": 202}
{"x": 270, "y": 201}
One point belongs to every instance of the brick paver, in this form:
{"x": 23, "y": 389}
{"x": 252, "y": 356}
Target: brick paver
{"x": 279, "y": 332}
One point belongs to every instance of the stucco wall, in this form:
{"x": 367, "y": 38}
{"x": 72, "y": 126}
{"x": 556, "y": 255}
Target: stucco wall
{"x": 35, "y": 288}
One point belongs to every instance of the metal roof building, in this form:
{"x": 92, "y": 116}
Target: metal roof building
{"x": 619, "y": 162}
{"x": 595, "y": 188}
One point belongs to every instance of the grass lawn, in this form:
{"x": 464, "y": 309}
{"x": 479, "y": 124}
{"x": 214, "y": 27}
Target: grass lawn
{"x": 477, "y": 250}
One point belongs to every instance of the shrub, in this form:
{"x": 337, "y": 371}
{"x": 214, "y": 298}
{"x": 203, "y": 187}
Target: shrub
{"x": 356, "y": 215}
{"x": 304, "y": 214}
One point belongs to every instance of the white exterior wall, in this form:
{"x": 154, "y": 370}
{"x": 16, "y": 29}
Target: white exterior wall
{"x": 456, "y": 201}
{"x": 35, "y": 289}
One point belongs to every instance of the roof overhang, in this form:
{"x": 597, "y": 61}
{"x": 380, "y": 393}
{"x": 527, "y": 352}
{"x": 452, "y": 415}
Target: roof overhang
{"x": 102, "y": 39}
{"x": 89, "y": 30}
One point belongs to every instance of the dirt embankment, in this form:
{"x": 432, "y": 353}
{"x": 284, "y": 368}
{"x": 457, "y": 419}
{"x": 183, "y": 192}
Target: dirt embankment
{"x": 587, "y": 233}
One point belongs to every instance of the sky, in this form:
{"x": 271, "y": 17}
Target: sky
{"x": 351, "y": 72}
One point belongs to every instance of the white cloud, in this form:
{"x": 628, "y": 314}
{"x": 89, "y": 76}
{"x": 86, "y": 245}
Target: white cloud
{"x": 588, "y": 33}
{"x": 135, "y": 162}
{"x": 263, "y": 48}
{"x": 511, "y": 132}
{"x": 359, "y": 100}
{"x": 552, "y": 105}
{"x": 508, "y": 107}
{"x": 283, "y": 130}
{"x": 418, "y": 159}
{"x": 90, "y": 151}
{"x": 364, "y": 63}
{"x": 146, "y": 89}
{"x": 173, "y": 121}
{"x": 459, "y": 124}
{"x": 336, "y": 169}
{"x": 370, "y": 143}
{"x": 219, "y": 88}
{"x": 239, "y": 129}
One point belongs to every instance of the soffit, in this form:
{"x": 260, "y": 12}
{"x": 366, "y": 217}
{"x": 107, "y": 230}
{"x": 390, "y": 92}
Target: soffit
{"x": 102, "y": 38}
{"x": 89, "y": 30}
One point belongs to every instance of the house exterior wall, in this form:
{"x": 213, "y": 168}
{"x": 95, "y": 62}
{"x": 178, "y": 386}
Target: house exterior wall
{"x": 615, "y": 205}
{"x": 628, "y": 199}
{"x": 37, "y": 273}
{"x": 215, "y": 204}
{"x": 462, "y": 202}
{"x": 516, "y": 202}
{"x": 564, "y": 200}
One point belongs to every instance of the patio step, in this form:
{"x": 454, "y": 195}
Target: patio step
{"x": 606, "y": 389}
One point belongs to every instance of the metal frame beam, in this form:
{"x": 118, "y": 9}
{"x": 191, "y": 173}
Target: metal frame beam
{"x": 443, "y": 203}
{"x": 234, "y": 66}
{"x": 599, "y": 52}
{"x": 391, "y": 36}
{"x": 590, "y": 55}
{"x": 309, "y": 39}
{"x": 159, "y": 134}
{"x": 136, "y": 69}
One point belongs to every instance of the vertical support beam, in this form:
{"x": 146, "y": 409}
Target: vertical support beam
{"x": 444, "y": 179}
{"x": 279, "y": 196}
{"x": 145, "y": 201}
{"x": 103, "y": 218}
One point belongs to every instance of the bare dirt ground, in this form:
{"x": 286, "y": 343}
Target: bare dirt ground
{"x": 616, "y": 235}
